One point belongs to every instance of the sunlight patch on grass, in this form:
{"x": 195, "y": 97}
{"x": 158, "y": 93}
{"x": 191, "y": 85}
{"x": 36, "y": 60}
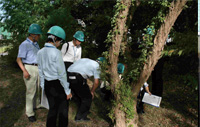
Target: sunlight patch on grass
{"x": 4, "y": 48}
{"x": 160, "y": 117}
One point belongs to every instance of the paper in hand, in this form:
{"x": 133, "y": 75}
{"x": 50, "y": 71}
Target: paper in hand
{"x": 152, "y": 99}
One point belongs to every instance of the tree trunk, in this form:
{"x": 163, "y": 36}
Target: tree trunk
{"x": 113, "y": 57}
{"x": 124, "y": 46}
{"x": 159, "y": 42}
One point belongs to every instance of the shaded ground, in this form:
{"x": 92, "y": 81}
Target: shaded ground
{"x": 178, "y": 106}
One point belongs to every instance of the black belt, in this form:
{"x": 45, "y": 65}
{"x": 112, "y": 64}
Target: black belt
{"x": 31, "y": 64}
{"x": 74, "y": 74}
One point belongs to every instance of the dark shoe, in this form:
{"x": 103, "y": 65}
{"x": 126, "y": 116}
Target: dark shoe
{"x": 141, "y": 112}
{"x": 32, "y": 118}
{"x": 82, "y": 119}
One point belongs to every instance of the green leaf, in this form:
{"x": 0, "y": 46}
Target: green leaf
{"x": 180, "y": 52}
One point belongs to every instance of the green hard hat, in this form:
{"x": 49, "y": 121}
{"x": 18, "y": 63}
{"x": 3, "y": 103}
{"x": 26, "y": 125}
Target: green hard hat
{"x": 34, "y": 29}
{"x": 79, "y": 36}
{"x": 120, "y": 68}
{"x": 57, "y": 31}
{"x": 101, "y": 59}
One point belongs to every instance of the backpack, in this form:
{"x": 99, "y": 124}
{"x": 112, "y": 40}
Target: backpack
{"x": 67, "y": 48}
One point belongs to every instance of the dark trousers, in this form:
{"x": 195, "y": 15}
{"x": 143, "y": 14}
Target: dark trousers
{"x": 80, "y": 87}
{"x": 58, "y": 104}
{"x": 107, "y": 94}
{"x": 157, "y": 80}
{"x": 67, "y": 64}
{"x": 140, "y": 104}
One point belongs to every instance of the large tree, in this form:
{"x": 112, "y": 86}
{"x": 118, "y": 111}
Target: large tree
{"x": 121, "y": 116}
{"x": 128, "y": 19}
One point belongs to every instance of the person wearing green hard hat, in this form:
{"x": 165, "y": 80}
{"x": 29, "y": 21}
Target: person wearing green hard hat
{"x": 53, "y": 78}
{"x": 101, "y": 59}
{"x": 120, "y": 68}
{"x": 27, "y": 62}
{"x": 71, "y": 51}
{"x": 104, "y": 84}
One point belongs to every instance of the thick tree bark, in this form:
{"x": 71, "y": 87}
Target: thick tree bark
{"x": 113, "y": 57}
{"x": 159, "y": 42}
{"x": 124, "y": 46}
{"x": 175, "y": 10}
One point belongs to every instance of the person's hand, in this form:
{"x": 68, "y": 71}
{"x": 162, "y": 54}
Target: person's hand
{"x": 149, "y": 93}
{"x": 42, "y": 86}
{"x": 26, "y": 75}
{"x": 92, "y": 95}
{"x": 69, "y": 96}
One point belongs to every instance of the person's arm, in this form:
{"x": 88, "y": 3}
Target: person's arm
{"x": 96, "y": 79}
{"x": 63, "y": 76}
{"x": 63, "y": 49}
{"x": 147, "y": 89}
{"x": 79, "y": 55}
{"x": 41, "y": 74}
{"x": 95, "y": 85}
{"x": 146, "y": 86}
{"x": 25, "y": 72}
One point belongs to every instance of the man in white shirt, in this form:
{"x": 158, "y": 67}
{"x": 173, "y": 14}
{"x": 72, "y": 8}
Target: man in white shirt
{"x": 71, "y": 51}
{"x": 143, "y": 89}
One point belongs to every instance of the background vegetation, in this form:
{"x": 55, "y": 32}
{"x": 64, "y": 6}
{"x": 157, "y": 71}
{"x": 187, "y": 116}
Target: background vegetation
{"x": 179, "y": 105}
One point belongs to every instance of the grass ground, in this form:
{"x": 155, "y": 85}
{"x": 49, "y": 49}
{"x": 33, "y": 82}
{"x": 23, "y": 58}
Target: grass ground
{"x": 178, "y": 107}
{"x": 4, "y": 48}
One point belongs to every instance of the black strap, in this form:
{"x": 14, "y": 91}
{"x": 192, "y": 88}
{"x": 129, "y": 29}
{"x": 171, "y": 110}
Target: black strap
{"x": 67, "y": 48}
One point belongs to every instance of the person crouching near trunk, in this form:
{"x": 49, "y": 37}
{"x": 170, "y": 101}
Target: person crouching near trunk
{"x": 78, "y": 73}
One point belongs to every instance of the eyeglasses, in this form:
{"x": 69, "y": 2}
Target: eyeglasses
{"x": 62, "y": 41}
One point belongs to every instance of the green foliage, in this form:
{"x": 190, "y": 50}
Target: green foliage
{"x": 104, "y": 74}
{"x": 182, "y": 44}
{"x": 136, "y": 65}
{"x": 164, "y": 3}
{"x": 5, "y": 48}
{"x": 122, "y": 90}
{"x": 146, "y": 43}
{"x": 126, "y": 99}
{"x": 191, "y": 81}
{"x": 145, "y": 50}
{"x": 130, "y": 126}
{"x": 111, "y": 113}
{"x": 119, "y": 6}
{"x": 12, "y": 94}
{"x": 181, "y": 71}
{"x": 19, "y": 15}
{"x": 100, "y": 17}
{"x": 96, "y": 16}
